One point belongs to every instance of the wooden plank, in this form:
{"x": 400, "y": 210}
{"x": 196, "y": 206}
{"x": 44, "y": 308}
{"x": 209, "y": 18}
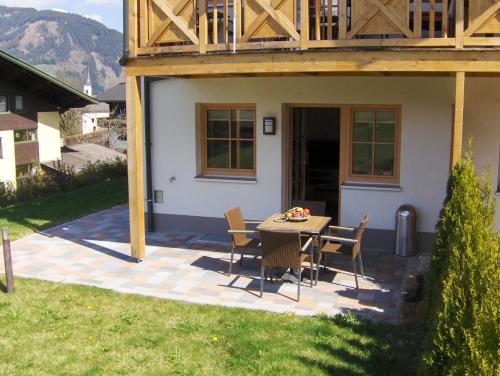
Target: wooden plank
{"x": 482, "y": 41}
{"x": 317, "y": 19}
{"x": 417, "y": 19}
{"x": 329, "y": 20}
{"x": 478, "y": 8}
{"x": 459, "y": 23}
{"x": 342, "y": 19}
{"x": 280, "y": 18}
{"x": 179, "y": 21}
{"x": 444, "y": 19}
{"x": 304, "y": 24}
{"x": 458, "y": 119}
{"x": 393, "y": 18}
{"x": 237, "y": 10}
{"x": 258, "y": 22}
{"x": 481, "y": 20}
{"x": 432, "y": 18}
{"x": 143, "y": 23}
{"x": 203, "y": 41}
{"x": 132, "y": 28}
{"x": 396, "y": 42}
{"x": 163, "y": 26}
{"x": 314, "y": 225}
{"x": 135, "y": 163}
{"x": 366, "y": 16}
{"x": 417, "y": 61}
{"x": 215, "y": 34}
{"x": 225, "y": 22}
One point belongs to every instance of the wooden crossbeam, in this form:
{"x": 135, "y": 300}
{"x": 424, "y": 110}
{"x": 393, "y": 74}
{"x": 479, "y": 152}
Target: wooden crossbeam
{"x": 393, "y": 18}
{"x": 280, "y": 18}
{"x": 260, "y": 20}
{"x": 484, "y": 18}
{"x": 366, "y": 19}
{"x": 173, "y": 17}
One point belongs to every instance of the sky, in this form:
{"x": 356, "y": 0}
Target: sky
{"x": 108, "y": 12}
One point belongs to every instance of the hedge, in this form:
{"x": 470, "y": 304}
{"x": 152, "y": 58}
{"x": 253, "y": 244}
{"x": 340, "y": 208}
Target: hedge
{"x": 463, "y": 285}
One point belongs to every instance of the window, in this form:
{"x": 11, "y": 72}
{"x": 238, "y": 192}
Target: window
{"x": 1, "y": 149}
{"x": 375, "y": 144}
{"x": 25, "y": 170}
{"x": 4, "y": 103}
{"x": 25, "y": 136}
{"x": 19, "y": 103}
{"x": 228, "y": 140}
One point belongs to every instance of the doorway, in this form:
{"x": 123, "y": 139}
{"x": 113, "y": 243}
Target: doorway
{"x": 315, "y": 156}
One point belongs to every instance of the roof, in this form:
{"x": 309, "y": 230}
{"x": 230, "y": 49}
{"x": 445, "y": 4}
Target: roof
{"x": 93, "y": 108}
{"x": 62, "y": 94}
{"x": 78, "y": 156}
{"x": 114, "y": 94}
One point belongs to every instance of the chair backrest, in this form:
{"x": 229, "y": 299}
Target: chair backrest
{"x": 359, "y": 235}
{"x": 280, "y": 248}
{"x": 316, "y": 207}
{"x": 235, "y": 221}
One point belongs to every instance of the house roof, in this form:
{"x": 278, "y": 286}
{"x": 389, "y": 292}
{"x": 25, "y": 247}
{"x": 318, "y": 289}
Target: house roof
{"x": 62, "y": 94}
{"x": 93, "y": 108}
{"x": 114, "y": 94}
{"x": 79, "y": 156}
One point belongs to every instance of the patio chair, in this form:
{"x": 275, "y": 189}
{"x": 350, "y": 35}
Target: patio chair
{"x": 239, "y": 235}
{"x": 283, "y": 249}
{"x": 344, "y": 246}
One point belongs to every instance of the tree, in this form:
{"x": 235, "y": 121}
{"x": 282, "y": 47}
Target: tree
{"x": 71, "y": 122}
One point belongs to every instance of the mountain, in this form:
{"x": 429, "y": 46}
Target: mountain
{"x": 64, "y": 45}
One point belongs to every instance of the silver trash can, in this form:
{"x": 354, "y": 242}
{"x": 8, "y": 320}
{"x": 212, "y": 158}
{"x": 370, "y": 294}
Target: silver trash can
{"x": 406, "y": 231}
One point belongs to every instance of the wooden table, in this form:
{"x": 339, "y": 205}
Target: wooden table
{"x": 313, "y": 226}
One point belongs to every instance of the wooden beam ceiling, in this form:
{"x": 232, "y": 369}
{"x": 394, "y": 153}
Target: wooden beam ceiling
{"x": 323, "y": 62}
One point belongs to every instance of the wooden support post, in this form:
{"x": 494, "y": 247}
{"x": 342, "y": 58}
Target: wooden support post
{"x": 203, "y": 37}
{"x": 135, "y": 173}
{"x": 458, "y": 119}
{"x": 459, "y": 23}
{"x": 304, "y": 24}
{"x": 7, "y": 258}
{"x": 417, "y": 19}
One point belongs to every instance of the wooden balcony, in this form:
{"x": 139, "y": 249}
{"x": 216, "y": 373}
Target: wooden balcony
{"x": 229, "y": 26}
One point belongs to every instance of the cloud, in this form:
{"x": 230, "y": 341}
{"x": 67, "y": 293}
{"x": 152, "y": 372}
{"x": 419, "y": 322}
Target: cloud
{"x": 94, "y": 17}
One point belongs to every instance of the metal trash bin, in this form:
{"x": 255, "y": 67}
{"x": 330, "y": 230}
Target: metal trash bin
{"x": 406, "y": 231}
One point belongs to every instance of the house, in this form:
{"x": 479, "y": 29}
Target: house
{"x": 30, "y": 104}
{"x": 115, "y": 98}
{"x": 363, "y": 104}
{"x": 92, "y": 112}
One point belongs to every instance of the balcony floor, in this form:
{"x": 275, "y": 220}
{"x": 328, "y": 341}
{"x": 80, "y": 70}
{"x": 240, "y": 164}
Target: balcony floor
{"x": 94, "y": 250}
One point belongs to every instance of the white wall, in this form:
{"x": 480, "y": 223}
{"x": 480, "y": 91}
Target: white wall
{"x": 89, "y": 121}
{"x": 482, "y": 124}
{"x": 8, "y": 162}
{"x": 426, "y": 120}
{"x": 49, "y": 136}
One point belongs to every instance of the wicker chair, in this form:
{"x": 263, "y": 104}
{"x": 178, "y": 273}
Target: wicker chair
{"x": 344, "y": 246}
{"x": 283, "y": 249}
{"x": 239, "y": 235}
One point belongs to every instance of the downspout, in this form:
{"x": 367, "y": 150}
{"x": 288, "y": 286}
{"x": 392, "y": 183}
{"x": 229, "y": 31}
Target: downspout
{"x": 147, "y": 151}
{"x": 125, "y": 30}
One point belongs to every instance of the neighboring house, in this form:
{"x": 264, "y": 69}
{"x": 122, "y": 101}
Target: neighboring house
{"x": 362, "y": 104}
{"x": 80, "y": 155}
{"x": 91, "y": 114}
{"x": 30, "y": 103}
{"x": 115, "y": 97}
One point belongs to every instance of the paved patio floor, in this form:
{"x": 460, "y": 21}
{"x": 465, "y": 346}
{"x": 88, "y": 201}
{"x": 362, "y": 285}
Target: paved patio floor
{"x": 94, "y": 250}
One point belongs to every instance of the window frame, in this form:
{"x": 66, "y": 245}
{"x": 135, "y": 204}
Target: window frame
{"x": 397, "y": 146}
{"x": 202, "y": 123}
{"x": 7, "y": 104}
{"x": 23, "y": 109}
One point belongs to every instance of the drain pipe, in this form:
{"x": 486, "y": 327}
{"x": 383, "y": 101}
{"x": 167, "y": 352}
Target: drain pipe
{"x": 146, "y": 81}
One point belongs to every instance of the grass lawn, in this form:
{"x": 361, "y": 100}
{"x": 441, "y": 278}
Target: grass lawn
{"x": 48, "y": 329}
{"x": 25, "y": 217}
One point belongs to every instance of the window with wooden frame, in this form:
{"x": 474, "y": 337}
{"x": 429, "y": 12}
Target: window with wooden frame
{"x": 375, "y": 144}
{"x": 227, "y": 139}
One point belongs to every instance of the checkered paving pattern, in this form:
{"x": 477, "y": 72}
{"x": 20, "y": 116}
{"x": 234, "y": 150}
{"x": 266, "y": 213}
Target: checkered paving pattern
{"x": 94, "y": 250}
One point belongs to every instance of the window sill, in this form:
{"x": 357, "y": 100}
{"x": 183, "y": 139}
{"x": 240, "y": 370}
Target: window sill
{"x": 372, "y": 187}
{"x": 226, "y": 179}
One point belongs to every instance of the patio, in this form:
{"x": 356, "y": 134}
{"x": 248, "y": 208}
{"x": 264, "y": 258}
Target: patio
{"x": 94, "y": 250}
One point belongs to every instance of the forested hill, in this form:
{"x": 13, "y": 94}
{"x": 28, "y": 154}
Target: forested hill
{"x": 63, "y": 44}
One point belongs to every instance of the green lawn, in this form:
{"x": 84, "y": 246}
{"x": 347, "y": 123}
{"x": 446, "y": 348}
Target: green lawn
{"x": 26, "y": 217}
{"x": 54, "y": 329}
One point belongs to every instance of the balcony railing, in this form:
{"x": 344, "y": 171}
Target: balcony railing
{"x": 200, "y": 26}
